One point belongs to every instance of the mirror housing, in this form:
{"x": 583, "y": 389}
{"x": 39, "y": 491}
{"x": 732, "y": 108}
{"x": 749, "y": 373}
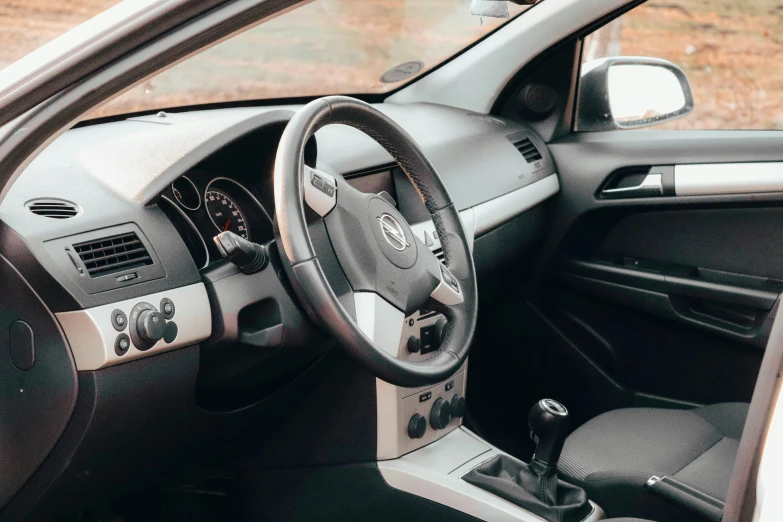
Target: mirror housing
{"x": 630, "y": 92}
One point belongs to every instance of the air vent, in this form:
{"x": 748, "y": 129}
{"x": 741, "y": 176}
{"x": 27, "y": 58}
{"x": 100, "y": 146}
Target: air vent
{"x": 528, "y": 150}
{"x": 439, "y": 254}
{"x": 53, "y": 208}
{"x": 113, "y": 254}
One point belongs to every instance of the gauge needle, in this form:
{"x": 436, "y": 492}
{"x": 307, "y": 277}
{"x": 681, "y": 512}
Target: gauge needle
{"x": 228, "y": 223}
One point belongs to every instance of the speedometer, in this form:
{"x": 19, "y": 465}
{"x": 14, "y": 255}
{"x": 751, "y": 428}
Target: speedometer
{"x": 225, "y": 213}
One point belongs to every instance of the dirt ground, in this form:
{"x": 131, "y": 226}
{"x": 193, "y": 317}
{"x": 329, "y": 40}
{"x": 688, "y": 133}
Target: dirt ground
{"x": 730, "y": 50}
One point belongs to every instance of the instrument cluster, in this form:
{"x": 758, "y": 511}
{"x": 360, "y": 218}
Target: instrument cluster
{"x": 207, "y": 204}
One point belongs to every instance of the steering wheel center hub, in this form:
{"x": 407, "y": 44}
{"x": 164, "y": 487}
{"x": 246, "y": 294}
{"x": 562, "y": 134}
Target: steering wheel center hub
{"x": 392, "y": 233}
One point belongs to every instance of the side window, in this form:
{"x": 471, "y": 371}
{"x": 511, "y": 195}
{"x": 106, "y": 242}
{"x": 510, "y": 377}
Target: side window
{"x": 729, "y": 51}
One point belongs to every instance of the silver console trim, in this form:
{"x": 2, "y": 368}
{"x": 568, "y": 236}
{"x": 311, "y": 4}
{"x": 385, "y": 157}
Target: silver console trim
{"x": 395, "y": 405}
{"x": 434, "y": 472}
{"x": 706, "y": 179}
{"x": 91, "y": 335}
{"x": 379, "y": 320}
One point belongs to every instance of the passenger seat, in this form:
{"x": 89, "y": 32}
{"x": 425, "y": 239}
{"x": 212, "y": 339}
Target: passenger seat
{"x": 614, "y": 455}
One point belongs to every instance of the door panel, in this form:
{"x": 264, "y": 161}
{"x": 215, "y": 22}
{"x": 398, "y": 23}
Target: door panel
{"x": 653, "y": 297}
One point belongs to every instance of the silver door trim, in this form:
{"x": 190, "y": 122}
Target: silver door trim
{"x": 707, "y": 179}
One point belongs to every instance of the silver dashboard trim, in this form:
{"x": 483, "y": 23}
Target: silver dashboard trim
{"x": 91, "y": 335}
{"x": 495, "y": 212}
{"x": 485, "y": 216}
{"x": 706, "y": 179}
{"x": 435, "y": 472}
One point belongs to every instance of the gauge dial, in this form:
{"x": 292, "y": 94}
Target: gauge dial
{"x": 186, "y": 193}
{"x": 225, "y": 213}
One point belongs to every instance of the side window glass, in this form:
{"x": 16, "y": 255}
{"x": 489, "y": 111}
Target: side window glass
{"x": 727, "y": 50}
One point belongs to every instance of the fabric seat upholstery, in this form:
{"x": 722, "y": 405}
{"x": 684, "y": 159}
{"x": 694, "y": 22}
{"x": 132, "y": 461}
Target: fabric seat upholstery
{"x": 613, "y": 455}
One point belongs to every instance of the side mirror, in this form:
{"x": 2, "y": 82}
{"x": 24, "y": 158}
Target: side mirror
{"x": 628, "y": 92}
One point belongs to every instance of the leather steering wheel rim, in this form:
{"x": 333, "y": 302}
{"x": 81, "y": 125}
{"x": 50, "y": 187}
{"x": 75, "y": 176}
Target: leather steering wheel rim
{"x": 293, "y": 184}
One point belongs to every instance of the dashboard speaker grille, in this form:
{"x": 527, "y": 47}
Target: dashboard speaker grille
{"x": 528, "y": 150}
{"x": 53, "y": 208}
{"x": 113, "y": 254}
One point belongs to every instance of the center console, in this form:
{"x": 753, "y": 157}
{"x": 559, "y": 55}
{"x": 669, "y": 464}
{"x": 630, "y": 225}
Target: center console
{"x": 411, "y": 418}
{"x": 423, "y": 449}
{"x": 436, "y": 472}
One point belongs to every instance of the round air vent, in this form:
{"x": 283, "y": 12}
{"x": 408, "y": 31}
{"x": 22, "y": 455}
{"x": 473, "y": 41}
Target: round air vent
{"x": 53, "y": 208}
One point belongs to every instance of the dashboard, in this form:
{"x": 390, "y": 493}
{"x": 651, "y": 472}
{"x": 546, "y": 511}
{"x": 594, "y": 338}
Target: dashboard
{"x": 114, "y": 222}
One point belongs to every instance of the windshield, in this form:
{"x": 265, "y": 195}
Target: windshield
{"x": 323, "y": 47}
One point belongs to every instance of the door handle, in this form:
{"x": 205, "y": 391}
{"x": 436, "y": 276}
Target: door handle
{"x": 651, "y": 186}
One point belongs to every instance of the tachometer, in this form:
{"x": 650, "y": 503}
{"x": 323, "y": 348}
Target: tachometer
{"x": 225, "y": 213}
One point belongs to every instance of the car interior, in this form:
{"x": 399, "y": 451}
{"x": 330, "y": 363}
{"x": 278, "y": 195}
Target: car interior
{"x": 481, "y": 295}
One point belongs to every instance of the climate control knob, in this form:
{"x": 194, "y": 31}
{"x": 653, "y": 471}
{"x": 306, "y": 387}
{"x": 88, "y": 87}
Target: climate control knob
{"x": 440, "y": 414}
{"x": 458, "y": 406}
{"x": 150, "y": 326}
{"x": 417, "y": 426}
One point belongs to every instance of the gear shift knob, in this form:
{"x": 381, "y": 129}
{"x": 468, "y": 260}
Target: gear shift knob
{"x": 548, "y": 421}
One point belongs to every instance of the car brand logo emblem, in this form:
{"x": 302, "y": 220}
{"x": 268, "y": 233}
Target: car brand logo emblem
{"x": 393, "y": 232}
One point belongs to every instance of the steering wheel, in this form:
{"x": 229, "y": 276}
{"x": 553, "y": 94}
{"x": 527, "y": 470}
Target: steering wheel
{"x": 391, "y": 272}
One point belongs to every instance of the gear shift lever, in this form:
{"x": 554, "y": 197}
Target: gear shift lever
{"x": 535, "y": 486}
{"x": 548, "y": 421}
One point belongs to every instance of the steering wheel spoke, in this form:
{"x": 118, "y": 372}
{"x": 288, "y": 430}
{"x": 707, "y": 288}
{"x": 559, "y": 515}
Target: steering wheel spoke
{"x": 448, "y": 291}
{"x": 320, "y": 190}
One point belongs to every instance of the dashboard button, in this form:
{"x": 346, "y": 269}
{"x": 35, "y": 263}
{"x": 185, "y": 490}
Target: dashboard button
{"x": 428, "y": 340}
{"x": 122, "y": 344}
{"x": 150, "y": 326}
{"x": 458, "y": 406}
{"x": 414, "y": 344}
{"x": 167, "y": 308}
{"x": 170, "y": 332}
{"x": 417, "y": 426}
{"x": 119, "y": 320}
{"x": 440, "y": 414}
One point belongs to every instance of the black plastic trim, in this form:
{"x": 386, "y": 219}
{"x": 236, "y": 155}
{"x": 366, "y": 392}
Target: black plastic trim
{"x": 682, "y": 298}
{"x": 683, "y": 495}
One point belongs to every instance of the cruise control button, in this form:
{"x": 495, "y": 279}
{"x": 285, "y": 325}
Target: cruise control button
{"x": 318, "y": 182}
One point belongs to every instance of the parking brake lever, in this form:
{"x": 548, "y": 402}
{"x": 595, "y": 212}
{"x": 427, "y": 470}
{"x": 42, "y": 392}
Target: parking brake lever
{"x": 248, "y": 257}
